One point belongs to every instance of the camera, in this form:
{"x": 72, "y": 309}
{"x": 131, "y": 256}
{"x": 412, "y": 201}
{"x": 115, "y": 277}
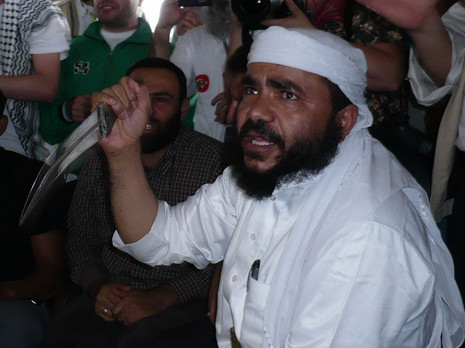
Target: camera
{"x": 252, "y": 12}
{"x": 188, "y": 3}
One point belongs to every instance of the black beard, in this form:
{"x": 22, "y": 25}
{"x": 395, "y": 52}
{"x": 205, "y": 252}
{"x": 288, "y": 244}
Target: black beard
{"x": 164, "y": 135}
{"x": 305, "y": 158}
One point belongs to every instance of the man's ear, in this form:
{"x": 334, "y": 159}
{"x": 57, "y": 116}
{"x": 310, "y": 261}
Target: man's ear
{"x": 347, "y": 118}
{"x": 184, "y": 108}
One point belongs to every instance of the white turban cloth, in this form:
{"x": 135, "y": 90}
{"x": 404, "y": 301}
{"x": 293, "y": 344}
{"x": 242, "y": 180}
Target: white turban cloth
{"x": 317, "y": 52}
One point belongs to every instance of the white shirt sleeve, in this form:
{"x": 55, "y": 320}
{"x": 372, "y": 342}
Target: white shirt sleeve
{"x": 54, "y": 38}
{"x": 369, "y": 289}
{"x": 425, "y": 90}
{"x": 197, "y": 230}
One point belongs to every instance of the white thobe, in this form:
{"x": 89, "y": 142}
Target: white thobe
{"x": 349, "y": 258}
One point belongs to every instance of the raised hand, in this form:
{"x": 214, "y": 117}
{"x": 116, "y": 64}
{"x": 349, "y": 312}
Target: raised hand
{"x": 430, "y": 40}
{"x": 131, "y": 104}
{"x": 297, "y": 19}
{"x": 171, "y": 14}
{"x": 190, "y": 21}
{"x": 407, "y": 14}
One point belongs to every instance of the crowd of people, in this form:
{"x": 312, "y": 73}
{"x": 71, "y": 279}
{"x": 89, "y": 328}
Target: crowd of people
{"x": 245, "y": 195}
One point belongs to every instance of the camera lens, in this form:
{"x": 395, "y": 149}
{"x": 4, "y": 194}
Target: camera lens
{"x": 256, "y": 7}
{"x": 251, "y": 12}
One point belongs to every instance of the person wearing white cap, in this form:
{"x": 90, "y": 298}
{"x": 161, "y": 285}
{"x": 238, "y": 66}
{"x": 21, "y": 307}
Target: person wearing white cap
{"x": 326, "y": 240}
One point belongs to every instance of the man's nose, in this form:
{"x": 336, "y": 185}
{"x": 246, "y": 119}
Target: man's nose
{"x": 261, "y": 108}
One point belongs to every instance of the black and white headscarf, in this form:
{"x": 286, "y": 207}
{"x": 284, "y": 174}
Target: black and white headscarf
{"x": 20, "y": 18}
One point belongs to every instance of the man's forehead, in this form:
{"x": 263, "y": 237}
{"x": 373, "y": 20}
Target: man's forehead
{"x": 157, "y": 79}
{"x": 270, "y": 70}
{"x": 152, "y": 74}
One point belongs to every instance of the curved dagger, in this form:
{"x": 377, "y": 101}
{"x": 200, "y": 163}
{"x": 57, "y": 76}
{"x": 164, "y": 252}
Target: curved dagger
{"x": 60, "y": 162}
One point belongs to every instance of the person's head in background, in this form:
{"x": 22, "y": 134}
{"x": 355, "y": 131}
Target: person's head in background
{"x": 166, "y": 85}
{"x": 117, "y": 15}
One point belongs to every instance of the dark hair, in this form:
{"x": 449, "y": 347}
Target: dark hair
{"x": 160, "y": 63}
{"x": 237, "y": 62}
{"x": 338, "y": 99}
{"x": 2, "y": 103}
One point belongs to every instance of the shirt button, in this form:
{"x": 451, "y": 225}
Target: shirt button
{"x": 253, "y": 236}
{"x": 234, "y": 278}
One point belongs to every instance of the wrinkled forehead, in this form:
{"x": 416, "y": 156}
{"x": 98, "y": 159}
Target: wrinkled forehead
{"x": 266, "y": 73}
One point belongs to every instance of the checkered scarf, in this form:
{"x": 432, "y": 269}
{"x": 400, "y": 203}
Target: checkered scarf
{"x": 20, "y": 18}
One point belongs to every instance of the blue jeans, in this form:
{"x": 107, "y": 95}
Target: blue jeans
{"x": 21, "y": 324}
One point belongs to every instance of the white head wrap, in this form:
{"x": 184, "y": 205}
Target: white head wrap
{"x": 320, "y": 53}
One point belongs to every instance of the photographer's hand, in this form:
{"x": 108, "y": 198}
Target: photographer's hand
{"x": 297, "y": 19}
{"x": 170, "y": 15}
{"x": 190, "y": 21}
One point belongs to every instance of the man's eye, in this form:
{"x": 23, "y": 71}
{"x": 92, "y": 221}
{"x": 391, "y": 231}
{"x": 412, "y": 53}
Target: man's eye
{"x": 160, "y": 100}
{"x": 288, "y": 95}
{"x": 250, "y": 90}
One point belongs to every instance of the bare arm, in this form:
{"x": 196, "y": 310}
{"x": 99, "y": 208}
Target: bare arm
{"x": 235, "y": 36}
{"x": 431, "y": 42}
{"x": 387, "y": 65}
{"x": 133, "y": 203}
{"x": 433, "y": 48}
{"x": 386, "y": 60}
{"x": 46, "y": 281}
{"x": 42, "y": 85}
{"x": 170, "y": 15}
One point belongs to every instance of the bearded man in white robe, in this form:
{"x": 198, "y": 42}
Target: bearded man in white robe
{"x": 327, "y": 240}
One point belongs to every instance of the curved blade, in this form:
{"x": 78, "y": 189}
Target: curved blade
{"x": 66, "y": 157}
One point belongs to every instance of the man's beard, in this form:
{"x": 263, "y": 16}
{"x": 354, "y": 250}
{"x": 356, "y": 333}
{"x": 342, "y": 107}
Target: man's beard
{"x": 218, "y": 21}
{"x": 119, "y": 22}
{"x": 306, "y": 157}
{"x": 165, "y": 134}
